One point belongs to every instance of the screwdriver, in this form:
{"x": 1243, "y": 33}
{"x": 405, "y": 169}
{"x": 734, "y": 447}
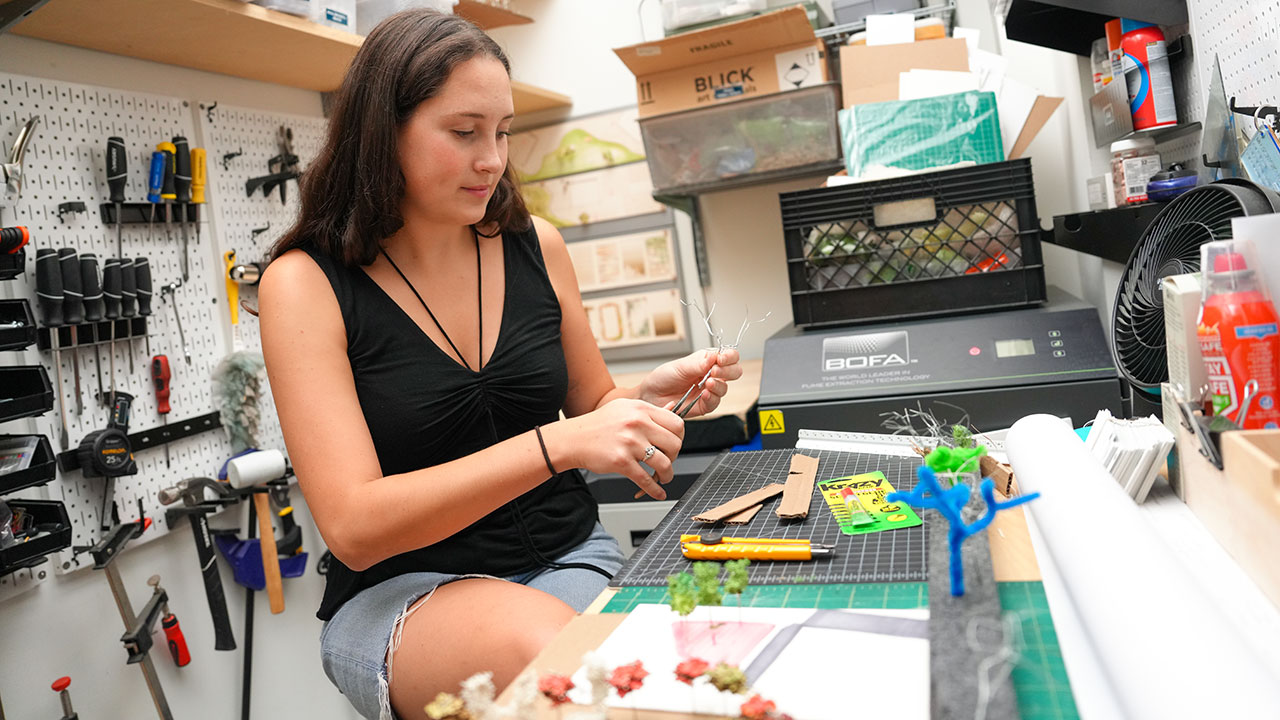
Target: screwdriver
{"x": 111, "y": 304}
{"x": 129, "y": 301}
{"x": 91, "y": 285}
{"x": 172, "y": 630}
{"x": 182, "y": 193}
{"x": 117, "y": 175}
{"x": 197, "y": 185}
{"x": 142, "y": 272}
{"x": 160, "y": 376}
{"x": 49, "y": 301}
{"x": 167, "y": 191}
{"x": 72, "y": 311}
{"x": 155, "y": 183}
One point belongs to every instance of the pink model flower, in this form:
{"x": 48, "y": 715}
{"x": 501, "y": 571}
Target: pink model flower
{"x": 628, "y": 678}
{"x": 555, "y": 687}
{"x": 690, "y": 670}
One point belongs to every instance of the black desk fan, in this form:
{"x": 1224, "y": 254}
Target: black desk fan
{"x": 1171, "y": 246}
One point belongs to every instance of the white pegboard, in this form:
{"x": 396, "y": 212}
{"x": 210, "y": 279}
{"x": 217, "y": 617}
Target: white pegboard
{"x": 65, "y": 162}
{"x": 1245, "y": 37}
{"x": 253, "y": 134}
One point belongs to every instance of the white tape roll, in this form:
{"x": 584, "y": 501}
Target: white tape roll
{"x": 255, "y": 468}
{"x": 1165, "y": 648}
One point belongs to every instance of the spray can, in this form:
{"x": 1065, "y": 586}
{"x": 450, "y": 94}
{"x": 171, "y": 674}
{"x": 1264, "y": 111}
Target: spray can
{"x": 1146, "y": 73}
{"x": 1239, "y": 333}
{"x": 1114, "y": 54}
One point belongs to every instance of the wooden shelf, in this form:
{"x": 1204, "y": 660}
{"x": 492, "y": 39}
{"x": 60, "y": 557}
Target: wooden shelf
{"x": 530, "y": 99}
{"x": 222, "y": 36}
{"x": 236, "y": 38}
{"x": 487, "y": 16}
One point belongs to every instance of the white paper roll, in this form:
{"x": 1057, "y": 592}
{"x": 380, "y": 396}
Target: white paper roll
{"x": 1164, "y": 646}
{"x": 255, "y": 468}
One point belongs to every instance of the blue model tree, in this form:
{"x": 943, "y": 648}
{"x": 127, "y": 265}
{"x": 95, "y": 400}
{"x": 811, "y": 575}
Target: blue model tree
{"x": 928, "y": 493}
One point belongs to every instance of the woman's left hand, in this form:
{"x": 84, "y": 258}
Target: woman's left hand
{"x": 669, "y": 381}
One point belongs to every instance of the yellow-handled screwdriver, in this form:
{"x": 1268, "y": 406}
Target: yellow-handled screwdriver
{"x": 198, "y": 177}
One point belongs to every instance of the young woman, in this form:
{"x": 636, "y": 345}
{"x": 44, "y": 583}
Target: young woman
{"x": 422, "y": 336}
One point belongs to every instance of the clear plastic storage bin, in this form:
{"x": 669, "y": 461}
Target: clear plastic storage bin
{"x": 704, "y": 146}
{"x": 678, "y": 14}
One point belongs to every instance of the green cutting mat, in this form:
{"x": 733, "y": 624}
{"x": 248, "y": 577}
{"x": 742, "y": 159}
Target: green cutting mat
{"x": 1040, "y": 678}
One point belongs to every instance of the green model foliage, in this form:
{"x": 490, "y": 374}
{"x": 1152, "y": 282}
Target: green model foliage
{"x": 683, "y": 595}
{"x": 736, "y": 578}
{"x": 706, "y": 576}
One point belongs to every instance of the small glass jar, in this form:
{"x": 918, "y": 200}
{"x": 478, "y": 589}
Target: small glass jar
{"x": 1133, "y": 162}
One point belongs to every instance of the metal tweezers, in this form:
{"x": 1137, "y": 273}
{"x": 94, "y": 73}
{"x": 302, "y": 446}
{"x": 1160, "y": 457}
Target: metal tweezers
{"x": 681, "y": 409}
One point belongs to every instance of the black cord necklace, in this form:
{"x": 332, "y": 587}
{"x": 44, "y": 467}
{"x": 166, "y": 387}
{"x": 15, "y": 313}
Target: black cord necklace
{"x": 479, "y": 305}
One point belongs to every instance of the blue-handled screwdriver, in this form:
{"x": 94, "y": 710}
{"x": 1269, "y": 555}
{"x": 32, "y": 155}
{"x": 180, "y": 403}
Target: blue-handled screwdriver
{"x": 155, "y": 183}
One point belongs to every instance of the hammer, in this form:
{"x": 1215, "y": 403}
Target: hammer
{"x": 191, "y": 493}
{"x": 252, "y": 470}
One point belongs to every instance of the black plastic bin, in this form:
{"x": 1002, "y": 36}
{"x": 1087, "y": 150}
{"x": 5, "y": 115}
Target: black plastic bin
{"x": 43, "y": 467}
{"x": 931, "y": 244}
{"x": 48, "y": 530}
{"x": 25, "y": 391}
{"x": 24, "y": 333}
{"x": 12, "y": 264}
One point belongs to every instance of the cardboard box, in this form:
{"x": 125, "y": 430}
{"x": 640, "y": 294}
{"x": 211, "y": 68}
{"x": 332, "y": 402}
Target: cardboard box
{"x": 770, "y": 53}
{"x": 869, "y": 73}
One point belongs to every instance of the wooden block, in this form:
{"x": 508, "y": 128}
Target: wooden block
{"x": 740, "y": 503}
{"x": 798, "y": 492}
{"x": 1239, "y": 505}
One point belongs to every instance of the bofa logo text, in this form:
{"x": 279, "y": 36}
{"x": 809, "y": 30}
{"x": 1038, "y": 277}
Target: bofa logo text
{"x": 867, "y": 351}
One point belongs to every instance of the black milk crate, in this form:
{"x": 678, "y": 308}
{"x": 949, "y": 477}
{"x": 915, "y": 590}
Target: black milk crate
{"x": 931, "y": 244}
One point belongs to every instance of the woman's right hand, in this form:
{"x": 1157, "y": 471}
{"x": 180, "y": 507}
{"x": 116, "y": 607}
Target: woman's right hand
{"x": 615, "y": 437}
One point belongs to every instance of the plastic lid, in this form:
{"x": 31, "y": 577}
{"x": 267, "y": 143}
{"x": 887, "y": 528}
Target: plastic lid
{"x": 1172, "y": 172}
{"x": 1126, "y": 25}
{"x": 61, "y": 684}
{"x": 1229, "y": 262}
{"x": 1136, "y": 143}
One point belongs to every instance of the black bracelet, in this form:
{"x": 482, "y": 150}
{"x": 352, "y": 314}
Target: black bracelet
{"x": 537, "y": 429}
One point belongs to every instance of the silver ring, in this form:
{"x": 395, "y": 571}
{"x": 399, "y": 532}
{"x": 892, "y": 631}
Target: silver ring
{"x": 648, "y": 452}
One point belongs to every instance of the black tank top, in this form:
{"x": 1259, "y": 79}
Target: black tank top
{"x": 423, "y": 408}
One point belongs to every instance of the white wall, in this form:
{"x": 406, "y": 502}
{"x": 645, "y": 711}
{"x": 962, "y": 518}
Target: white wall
{"x": 69, "y": 625}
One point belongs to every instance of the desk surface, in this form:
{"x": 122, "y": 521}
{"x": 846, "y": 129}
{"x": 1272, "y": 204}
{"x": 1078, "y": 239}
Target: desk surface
{"x": 1015, "y": 566}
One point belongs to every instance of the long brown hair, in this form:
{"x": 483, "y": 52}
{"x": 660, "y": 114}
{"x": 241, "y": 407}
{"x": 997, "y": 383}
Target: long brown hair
{"x": 351, "y": 193}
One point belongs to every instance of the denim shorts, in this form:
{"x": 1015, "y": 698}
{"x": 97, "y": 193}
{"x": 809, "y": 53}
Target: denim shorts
{"x": 354, "y": 644}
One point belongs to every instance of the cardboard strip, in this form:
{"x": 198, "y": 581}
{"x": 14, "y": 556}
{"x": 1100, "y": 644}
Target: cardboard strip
{"x": 1000, "y": 474}
{"x": 743, "y": 517}
{"x": 740, "y": 503}
{"x": 799, "y": 488}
